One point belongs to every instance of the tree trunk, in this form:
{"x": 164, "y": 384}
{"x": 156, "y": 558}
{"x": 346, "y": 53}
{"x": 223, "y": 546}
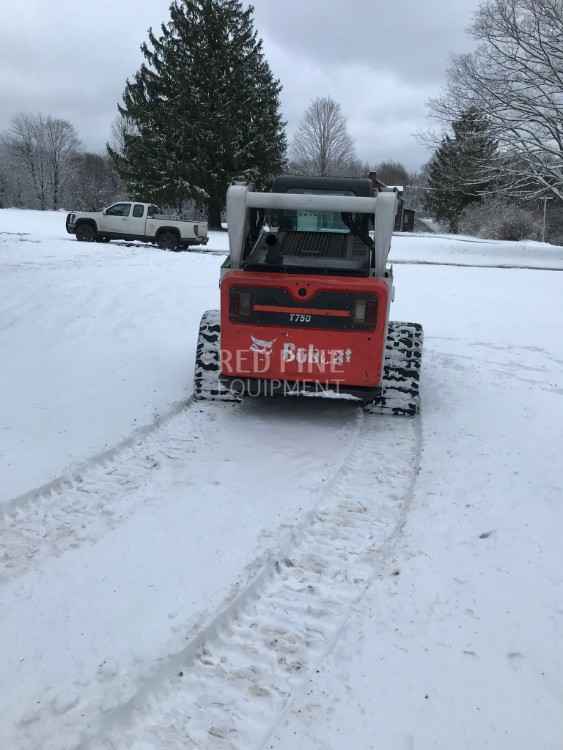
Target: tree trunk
{"x": 55, "y": 187}
{"x": 214, "y": 209}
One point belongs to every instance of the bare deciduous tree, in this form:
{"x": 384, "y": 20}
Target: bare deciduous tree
{"x": 14, "y": 186}
{"x": 322, "y": 145}
{"x": 392, "y": 173}
{"x": 416, "y": 189}
{"x": 41, "y": 149}
{"x": 94, "y": 183}
{"x": 516, "y": 78}
{"x": 61, "y": 142}
{"x": 25, "y": 144}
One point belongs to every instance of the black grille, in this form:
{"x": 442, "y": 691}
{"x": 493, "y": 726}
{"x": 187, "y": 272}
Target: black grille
{"x": 315, "y": 244}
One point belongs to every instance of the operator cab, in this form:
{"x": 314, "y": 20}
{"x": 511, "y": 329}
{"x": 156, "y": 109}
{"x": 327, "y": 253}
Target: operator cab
{"x": 317, "y": 242}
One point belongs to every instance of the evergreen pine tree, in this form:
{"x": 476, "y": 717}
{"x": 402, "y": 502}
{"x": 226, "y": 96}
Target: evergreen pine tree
{"x": 202, "y": 110}
{"x": 459, "y": 172}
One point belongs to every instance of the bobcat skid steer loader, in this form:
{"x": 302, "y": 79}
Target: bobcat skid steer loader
{"x": 305, "y": 299}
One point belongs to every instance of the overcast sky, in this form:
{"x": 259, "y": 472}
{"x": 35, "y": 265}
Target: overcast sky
{"x": 380, "y": 59}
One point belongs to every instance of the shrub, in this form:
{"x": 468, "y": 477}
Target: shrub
{"x": 498, "y": 220}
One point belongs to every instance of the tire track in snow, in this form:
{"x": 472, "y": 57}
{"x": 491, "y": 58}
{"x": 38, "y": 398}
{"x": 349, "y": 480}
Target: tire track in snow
{"x": 54, "y": 715}
{"x": 94, "y": 497}
{"x": 76, "y": 473}
{"x": 102, "y": 493}
{"x": 234, "y": 682}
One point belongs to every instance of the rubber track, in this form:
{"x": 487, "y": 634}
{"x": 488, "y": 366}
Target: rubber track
{"x": 207, "y": 385}
{"x": 400, "y": 394}
{"x": 401, "y": 372}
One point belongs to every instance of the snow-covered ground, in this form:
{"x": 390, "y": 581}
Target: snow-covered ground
{"x": 292, "y": 573}
{"x": 460, "y": 250}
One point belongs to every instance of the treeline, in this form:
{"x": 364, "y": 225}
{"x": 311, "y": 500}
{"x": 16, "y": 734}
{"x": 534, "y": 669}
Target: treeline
{"x": 204, "y": 109}
{"x": 43, "y": 166}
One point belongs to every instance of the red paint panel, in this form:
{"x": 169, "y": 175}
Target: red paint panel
{"x": 349, "y": 357}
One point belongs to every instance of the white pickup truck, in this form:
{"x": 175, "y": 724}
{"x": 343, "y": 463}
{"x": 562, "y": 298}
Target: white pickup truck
{"x": 129, "y": 220}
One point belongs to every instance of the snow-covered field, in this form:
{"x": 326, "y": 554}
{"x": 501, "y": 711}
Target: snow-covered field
{"x": 293, "y": 575}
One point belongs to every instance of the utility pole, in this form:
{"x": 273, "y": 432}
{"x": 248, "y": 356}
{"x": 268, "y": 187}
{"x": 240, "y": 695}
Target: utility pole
{"x": 545, "y": 200}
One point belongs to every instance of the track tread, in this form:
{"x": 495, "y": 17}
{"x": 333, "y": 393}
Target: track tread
{"x": 400, "y": 395}
{"x": 207, "y": 383}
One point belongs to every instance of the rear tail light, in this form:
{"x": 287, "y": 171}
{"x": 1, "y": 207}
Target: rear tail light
{"x": 365, "y": 312}
{"x": 240, "y": 308}
{"x": 360, "y": 310}
{"x": 196, "y": 230}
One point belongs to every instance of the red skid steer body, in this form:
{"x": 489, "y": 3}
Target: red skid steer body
{"x": 305, "y": 299}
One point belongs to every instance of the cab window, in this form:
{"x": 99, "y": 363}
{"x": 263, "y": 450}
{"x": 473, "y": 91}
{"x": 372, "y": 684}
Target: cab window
{"x": 119, "y": 209}
{"x": 153, "y": 211}
{"x": 138, "y": 211}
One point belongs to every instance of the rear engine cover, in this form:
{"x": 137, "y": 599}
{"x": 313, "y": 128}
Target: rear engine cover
{"x": 277, "y": 326}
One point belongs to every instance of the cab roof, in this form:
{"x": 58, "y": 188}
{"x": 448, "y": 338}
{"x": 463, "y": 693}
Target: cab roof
{"x": 360, "y": 186}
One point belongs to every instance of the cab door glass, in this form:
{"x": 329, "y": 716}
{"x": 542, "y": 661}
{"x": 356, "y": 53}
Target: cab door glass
{"x": 119, "y": 209}
{"x": 138, "y": 211}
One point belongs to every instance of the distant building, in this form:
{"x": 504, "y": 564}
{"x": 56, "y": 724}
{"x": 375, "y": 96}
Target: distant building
{"x": 405, "y": 219}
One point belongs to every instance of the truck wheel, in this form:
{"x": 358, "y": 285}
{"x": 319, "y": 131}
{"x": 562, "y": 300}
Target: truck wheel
{"x": 168, "y": 241}
{"x": 85, "y": 233}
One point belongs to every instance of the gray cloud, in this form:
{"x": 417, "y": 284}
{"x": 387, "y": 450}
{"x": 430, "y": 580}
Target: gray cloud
{"x": 380, "y": 60}
{"x": 410, "y": 38}
{"x": 71, "y": 59}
